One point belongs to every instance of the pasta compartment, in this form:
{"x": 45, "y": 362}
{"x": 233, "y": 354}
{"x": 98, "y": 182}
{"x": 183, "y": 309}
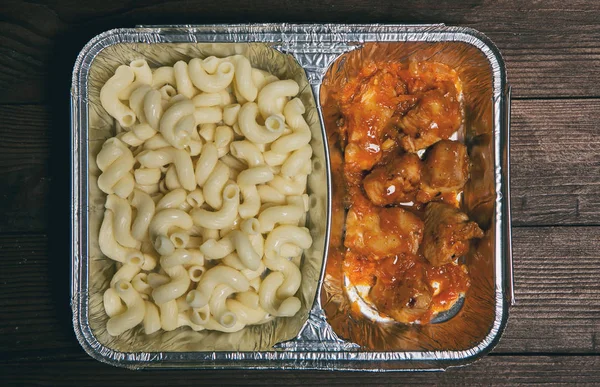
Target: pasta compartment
{"x": 101, "y": 269}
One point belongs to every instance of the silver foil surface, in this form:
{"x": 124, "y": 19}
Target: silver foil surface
{"x": 316, "y": 338}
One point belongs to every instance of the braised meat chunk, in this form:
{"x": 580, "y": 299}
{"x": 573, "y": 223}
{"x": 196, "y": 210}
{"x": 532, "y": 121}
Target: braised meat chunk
{"x": 404, "y": 297}
{"x": 438, "y": 112}
{"x": 395, "y": 182}
{"x": 426, "y": 75}
{"x": 378, "y": 232}
{"x": 448, "y": 232}
{"x": 368, "y": 103}
{"x": 445, "y": 169}
{"x": 436, "y": 116}
{"x": 366, "y": 116}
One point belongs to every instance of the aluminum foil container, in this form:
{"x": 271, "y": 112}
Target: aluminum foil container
{"x": 320, "y": 336}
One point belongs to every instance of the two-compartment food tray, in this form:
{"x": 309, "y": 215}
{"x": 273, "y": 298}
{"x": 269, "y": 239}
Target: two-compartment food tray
{"x": 308, "y": 341}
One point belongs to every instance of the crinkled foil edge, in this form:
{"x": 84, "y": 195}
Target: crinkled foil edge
{"x": 315, "y": 47}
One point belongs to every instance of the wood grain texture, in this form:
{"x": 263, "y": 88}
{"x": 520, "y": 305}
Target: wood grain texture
{"x": 558, "y": 296}
{"x": 555, "y": 164}
{"x": 35, "y": 316}
{"x": 24, "y": 171}
{"x": 557, "y": 291}
{"x": 551, "y": 49}
{"x": 492, "y": 370}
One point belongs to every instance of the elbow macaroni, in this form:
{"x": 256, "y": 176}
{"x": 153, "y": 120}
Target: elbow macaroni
{"x": 115, "y": 161}
{"x": 183, "y": 81}
{"x": 225, "y": 216}
{"x": 133, "y": 314}
{"x": 253, "y": 131}
{"x": 271, "y": 93}
{"x": 215, "y": 185}
{"x": 211, "y": 83}
{"x": 243, "y": 78}
{"x": 177, "y": 123}
{"x": 109, "y": 96}
{"x": 247, "y": 152}
{"x": 206, "y": 163}
{"x": 143, "y": 76}
{"x": 206, "y": 196}
{"x": 218, "y": 306}
{"x": 178, "y": 157}
{"x": 147, "y": 105}
{"x": 163, "y": 76}
{"x": 300, "y": 135}
{"x": 122, "y": 221}
{"x": 177, "y": 286}
{"x": 247, "y": 181}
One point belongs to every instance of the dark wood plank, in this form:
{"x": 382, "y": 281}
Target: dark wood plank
{"x": 492, "y": 370}
{"x": 554, "y": 158}
{"x": 557, "y": 292}
{"x": 558, "y": 295}
{"x": 36, "y": 315}
{"x": 551, "y": 49}
{"x": 555, "y": 162}
{"x": 25, "y": 131}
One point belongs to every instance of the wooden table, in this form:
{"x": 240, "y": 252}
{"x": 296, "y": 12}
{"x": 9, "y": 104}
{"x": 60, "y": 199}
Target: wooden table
{"x": 552, "y": 51}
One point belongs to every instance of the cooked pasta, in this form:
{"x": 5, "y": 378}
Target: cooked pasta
{"x": 211, "y": 83}
{"x": 115, "y": 161}
{"x": 163, "y": 76}
{"x": 109, "y": 96}
{"x": 255, "y": 132}
{"x": 247, "y": 181}
{"x": 133, "y": 314}
{"x": 206, "y": 196}
{"x": 147, "y": 105}
{"x": 271, "y": 93}
{"x": 142, "y": 76}
{"x": 183, "y": 80}
{"x": 178, "y": 122}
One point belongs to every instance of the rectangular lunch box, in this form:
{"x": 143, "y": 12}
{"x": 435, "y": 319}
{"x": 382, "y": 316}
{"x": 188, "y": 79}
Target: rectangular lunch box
{"x": 316, "y": 337}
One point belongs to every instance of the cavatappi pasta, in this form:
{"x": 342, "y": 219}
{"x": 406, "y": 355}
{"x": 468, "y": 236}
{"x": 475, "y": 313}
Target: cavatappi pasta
{"x": 206, "y": 195}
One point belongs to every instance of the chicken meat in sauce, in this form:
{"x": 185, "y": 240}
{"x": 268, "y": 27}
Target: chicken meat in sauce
{"x": 404, "y": 298}
{"x": 395, "y": 182}
{"x": 368, "y": 103}
{"x": 445, "y": 170}
{"x": 378, "y": 232}
{"x": 404, "y": 250}
{"x": 448, "y": 232}
{"x": 438, "y": 112}
{"x": 435, "y": 117}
